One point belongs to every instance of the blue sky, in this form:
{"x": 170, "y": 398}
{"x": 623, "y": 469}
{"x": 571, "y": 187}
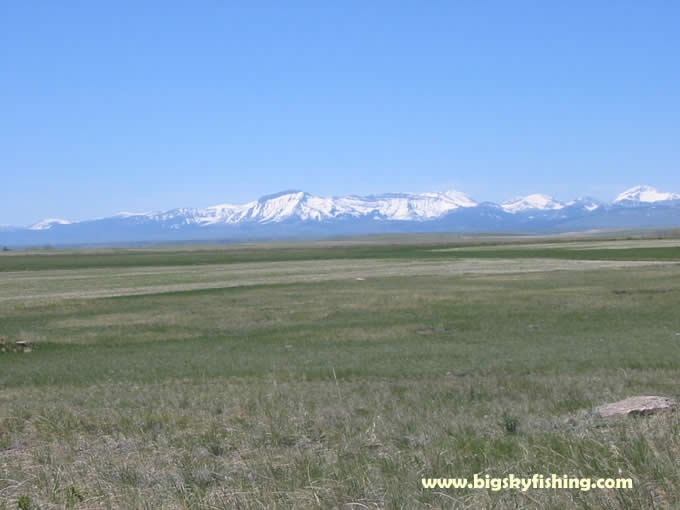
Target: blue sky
{"x": 113, "y": 106}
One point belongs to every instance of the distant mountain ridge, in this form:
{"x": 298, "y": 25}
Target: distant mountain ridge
{"x": 305, "y": 207}
{"x": 296, "y": 213}
{"x": 645, "y": 194}
{"x": 535, "y": 201}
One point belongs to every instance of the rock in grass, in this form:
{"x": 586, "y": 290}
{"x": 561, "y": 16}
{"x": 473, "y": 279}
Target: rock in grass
{"x": 636, "y": 406}
{"x": 23, "y": 345}
{"x": 19, "y": 346}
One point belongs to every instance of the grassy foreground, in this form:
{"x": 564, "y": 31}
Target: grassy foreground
{"x": 336, "y": 376}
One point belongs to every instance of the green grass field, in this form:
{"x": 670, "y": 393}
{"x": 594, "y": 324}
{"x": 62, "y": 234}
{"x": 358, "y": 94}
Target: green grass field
{"x": 337, "y": 374}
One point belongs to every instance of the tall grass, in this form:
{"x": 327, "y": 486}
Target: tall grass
{"x": 342, "y": 394}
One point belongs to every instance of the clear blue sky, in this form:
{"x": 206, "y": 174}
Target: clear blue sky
{"x": 142, "y": 105}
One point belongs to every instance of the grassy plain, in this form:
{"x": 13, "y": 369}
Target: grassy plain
{"x": 337, "y": 375}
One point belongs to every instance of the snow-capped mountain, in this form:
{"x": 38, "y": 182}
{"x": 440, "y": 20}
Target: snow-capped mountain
{"x": 300, "y": 214}
{"x": 49, "y": 223}
{"x": 584, "y": 203}
{"x": 301, "y": 206}
{"x": 535, "y": 201}
{"x": 645, "y": 194}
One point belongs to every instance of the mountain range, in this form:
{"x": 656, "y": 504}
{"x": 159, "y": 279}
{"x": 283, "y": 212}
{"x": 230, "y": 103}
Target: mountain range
{"x": 297, "y": 214}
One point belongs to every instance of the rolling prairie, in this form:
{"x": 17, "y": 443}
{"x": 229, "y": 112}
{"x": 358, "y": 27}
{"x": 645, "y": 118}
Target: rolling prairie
{"x": 337, "y": 374}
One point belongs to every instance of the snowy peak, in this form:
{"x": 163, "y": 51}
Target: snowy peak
{"x": 49, "y": 223}
{"x": 285, "y": 195}
{"x": 585, "y": 203}
{"x": 405, "y": 206}
{"x": 301, "y": 206}
{"x": 535, "y": 201}
{"x": 293, "y": 206}
{"x": 645, "y": 194}
{"x": 459, "y": 198}
{"x": 298, "y": 205}
{"x": 281, "y": 206}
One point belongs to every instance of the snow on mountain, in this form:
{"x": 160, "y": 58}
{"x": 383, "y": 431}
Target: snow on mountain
{"x": 289, "y": 207}
{"x": 49, "y": 223}
{"x": 298, "y": 205}
{"x": 535, "y": 201}
{"x": 645, "y": 194}
{"x": 390, "y": 206}
{"x": 281, "y": 206}
{"x": 403, "y": 206}
{"x": 129, "y": 214}
{"x": 585, "y": 203}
